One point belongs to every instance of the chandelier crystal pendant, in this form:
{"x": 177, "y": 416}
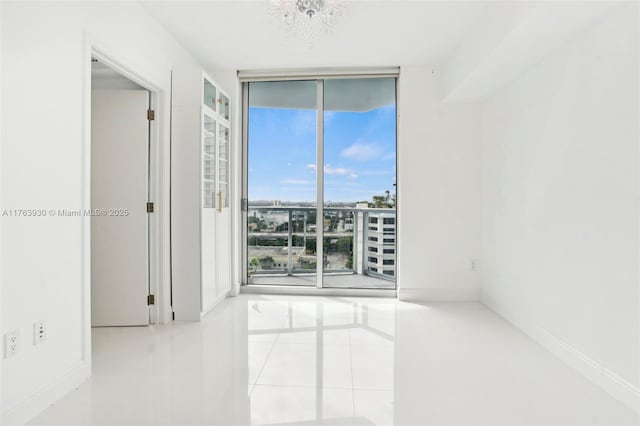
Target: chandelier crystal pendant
{"x": 306, "y": 19}
{"x": 310, "y": 7}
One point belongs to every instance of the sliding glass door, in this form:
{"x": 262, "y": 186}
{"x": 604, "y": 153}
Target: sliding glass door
{"x": 359, "y": 182}
{"x": 282, "y": 190}
{"x": 320, "y": 191}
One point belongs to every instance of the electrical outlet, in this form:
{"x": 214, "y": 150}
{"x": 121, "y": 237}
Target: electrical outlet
{"x": 39, "y": 332}
{"x": 473, "y": 264}
{"x": 11, "y": 343}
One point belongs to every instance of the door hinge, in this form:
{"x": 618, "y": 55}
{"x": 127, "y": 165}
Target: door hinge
{"x": 151, "y": 299}
{"x": 149, "y": 207}
{"x": 151, "y": 115}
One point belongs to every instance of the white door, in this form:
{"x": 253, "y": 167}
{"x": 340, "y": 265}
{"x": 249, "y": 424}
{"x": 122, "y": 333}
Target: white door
{"x": 119, "y": 245}
{"x": 223, "y": 252}
{"x": 207, "y": 213}
{"x": 223, "y": 217}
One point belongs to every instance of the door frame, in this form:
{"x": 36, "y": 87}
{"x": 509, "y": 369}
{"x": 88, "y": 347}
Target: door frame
{"x": 158, "y": 184}
{"x": 318, "y": 75}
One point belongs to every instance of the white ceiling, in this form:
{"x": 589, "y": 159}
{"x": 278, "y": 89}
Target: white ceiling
{"x": 241, "y": 34}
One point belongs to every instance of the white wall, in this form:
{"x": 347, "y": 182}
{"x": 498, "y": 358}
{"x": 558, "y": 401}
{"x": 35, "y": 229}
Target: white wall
{"x": 438, "y": 191}
{"x": 560, "y": 243}
{"x": 43, "y": 275}
{"x": 185, "y": 193}
{"x": 510, "y": 38}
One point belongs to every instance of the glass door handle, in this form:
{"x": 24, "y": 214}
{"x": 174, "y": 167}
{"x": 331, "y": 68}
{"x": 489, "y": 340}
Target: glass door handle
{"x": 219, "y": 201}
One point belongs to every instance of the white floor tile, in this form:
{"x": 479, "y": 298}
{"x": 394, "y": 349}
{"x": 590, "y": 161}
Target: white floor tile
{"x": 336, "y": 366}
{"x": 299, "y": 405}
{"x": 378, "y": 361}
{"x": 290, "y": 364}
{"x": 374, "y": 406}
{"x": 373, "y": 366}
{"x": 257, "y": 357}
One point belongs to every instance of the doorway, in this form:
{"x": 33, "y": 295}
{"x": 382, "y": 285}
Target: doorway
{"x": 320, "y": 191}
{"x": 120, "y": 176}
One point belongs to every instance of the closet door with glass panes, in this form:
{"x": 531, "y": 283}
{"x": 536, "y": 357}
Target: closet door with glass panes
{"x": 215, "y": 215}
{"x": 209, "y": 119}
{"x": 223, "y": 213}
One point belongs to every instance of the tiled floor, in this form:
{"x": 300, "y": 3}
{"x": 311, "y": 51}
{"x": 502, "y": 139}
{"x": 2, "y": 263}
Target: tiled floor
{"x": 312, "y": 360}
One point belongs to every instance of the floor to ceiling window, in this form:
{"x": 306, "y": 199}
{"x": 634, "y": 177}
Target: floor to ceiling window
{"x": 320, "y": 160}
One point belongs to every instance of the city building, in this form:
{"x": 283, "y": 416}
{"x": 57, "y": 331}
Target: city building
{"x": 381, "y": 243}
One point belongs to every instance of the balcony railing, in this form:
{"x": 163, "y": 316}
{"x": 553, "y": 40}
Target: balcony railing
{"x": 283, "y": 241}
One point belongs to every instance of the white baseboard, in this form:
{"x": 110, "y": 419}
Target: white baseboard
{"x": 296, "y": 290}
{"x": 606, "y": 379}
{"x": 31, "y": 407}
{"x": 213, "y": 305}
{"x": 439, "y": 294}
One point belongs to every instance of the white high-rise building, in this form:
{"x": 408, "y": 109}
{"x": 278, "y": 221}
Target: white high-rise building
{"x": 381, "y": 243}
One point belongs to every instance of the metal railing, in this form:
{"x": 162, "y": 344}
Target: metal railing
{"x": 282, "y": 240}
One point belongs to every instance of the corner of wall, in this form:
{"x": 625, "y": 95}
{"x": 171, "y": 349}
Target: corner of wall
{"x": 36, "y": 403}
{"x": 594, "y": 371}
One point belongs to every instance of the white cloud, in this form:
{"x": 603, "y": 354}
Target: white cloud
{"x": 362, "y": 151}
{"x": 296, "y": 182}
{"x": 335, "y": 171}
{"x": 339, "y": 171}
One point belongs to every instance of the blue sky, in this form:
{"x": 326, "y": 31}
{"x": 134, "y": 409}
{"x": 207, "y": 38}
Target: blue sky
{"x": 359, "y": 157}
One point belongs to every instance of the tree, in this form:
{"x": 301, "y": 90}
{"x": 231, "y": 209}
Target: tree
{"x": 378, "y": 201}
{"x": 344, "y": 244}
{"x": 310, "y": 248}
{"x": 311, "y": 217}
{"x": 349, "y": 264}
{"x": 384, "y": 201}
{"x": 254, "y": 264}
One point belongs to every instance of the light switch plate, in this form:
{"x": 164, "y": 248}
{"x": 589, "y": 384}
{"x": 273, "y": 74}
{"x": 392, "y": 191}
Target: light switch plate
{"x": 39, "y": 332}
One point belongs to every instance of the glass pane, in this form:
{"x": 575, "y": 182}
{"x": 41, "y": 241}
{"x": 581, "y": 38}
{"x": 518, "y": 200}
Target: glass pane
{"x": 208, "y": 161}
{"x": 304, "y": 241}
{"x": 223, "y": 165}
{"x": 359, "y": 182}
{"x": 224, "y": 106}
{"x": 268, "y": 241}
{"x": 281, "y": 224}
{"x": 338, "y": 240}
{"x": 209, "y": 95}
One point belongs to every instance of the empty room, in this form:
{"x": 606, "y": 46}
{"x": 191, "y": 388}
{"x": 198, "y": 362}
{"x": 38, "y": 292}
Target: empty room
{"x": 320, "y": 212}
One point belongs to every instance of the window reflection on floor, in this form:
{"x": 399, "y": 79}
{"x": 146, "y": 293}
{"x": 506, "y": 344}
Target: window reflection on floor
{"x": 320, "y": 360}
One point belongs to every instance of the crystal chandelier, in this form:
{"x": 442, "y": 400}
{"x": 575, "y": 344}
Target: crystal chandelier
{"x": 306, "y": 18}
